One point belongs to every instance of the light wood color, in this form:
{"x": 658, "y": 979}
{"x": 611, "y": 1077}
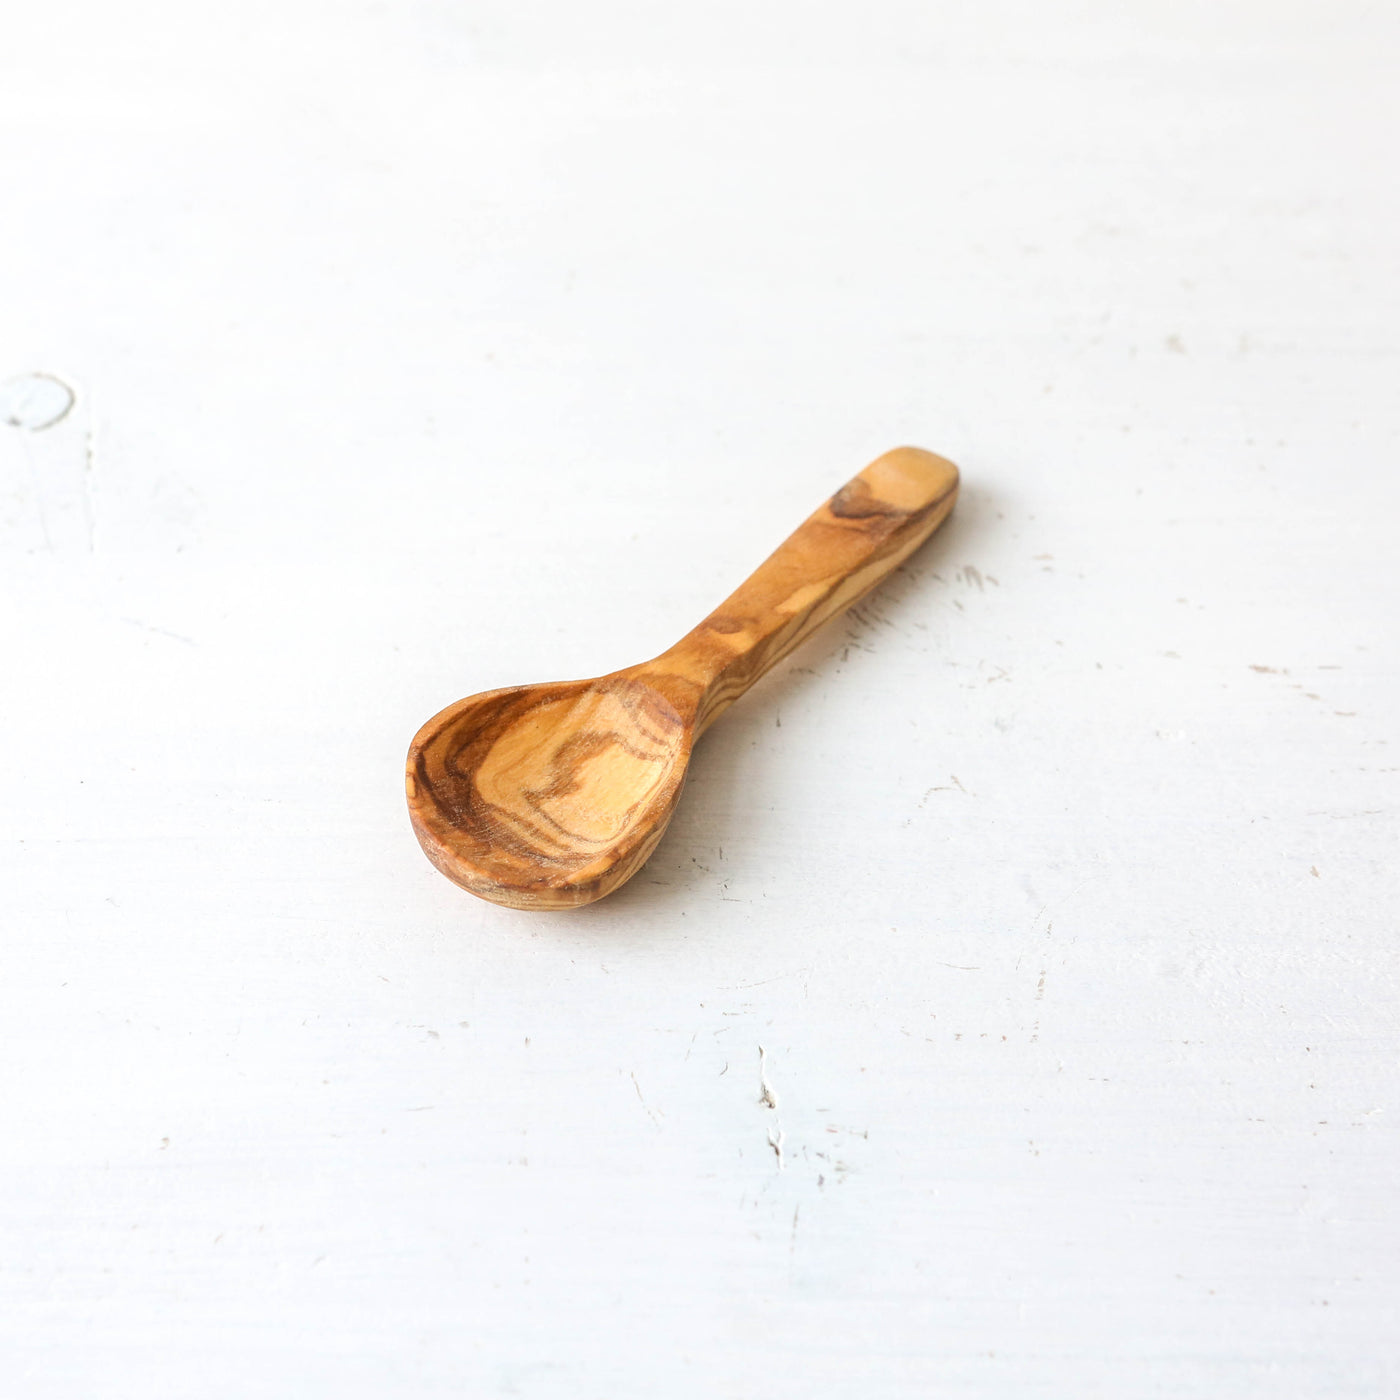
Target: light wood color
{"x": 551, "y": 796}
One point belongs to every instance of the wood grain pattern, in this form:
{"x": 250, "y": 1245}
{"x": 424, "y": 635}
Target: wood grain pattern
{"x": 551, "y": 796}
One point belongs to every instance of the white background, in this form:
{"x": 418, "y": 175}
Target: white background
{"x": 421, "y": 348}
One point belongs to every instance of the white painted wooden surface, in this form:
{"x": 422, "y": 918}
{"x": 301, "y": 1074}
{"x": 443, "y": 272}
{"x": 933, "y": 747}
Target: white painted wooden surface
{"x": 421, "y": 348}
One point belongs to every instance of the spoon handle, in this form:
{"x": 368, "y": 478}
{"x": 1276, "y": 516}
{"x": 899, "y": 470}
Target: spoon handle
{"x": 867, "y": 529}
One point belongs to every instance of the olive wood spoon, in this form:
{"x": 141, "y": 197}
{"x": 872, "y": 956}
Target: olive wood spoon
{"x": 551, "y": 796}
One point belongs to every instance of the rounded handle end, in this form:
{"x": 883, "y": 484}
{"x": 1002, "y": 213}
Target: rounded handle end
{"x": 910, "y": 480}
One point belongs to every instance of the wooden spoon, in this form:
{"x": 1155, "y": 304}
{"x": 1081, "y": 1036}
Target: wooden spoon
{"x": 551, "y": 796}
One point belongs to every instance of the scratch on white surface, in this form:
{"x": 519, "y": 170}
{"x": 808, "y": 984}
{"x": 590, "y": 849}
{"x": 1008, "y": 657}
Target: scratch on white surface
{"x": 765, "y": 982}
{"x": 1059, "y": 904}
{"x": 766, "y": 1096}
{"x": 159, "y": 631}
{"x": 944, "y": 787}
{"x": 769, "y": 1100}
{"x": 775, "y": 1141}
{"x": 654, "y": 1114}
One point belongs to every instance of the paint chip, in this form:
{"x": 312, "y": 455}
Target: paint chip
{"x": 33, "y": 402}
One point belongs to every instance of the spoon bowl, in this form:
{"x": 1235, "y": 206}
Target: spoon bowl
{"x": 547, "y": 796}
{"x": 551, "y": 796}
